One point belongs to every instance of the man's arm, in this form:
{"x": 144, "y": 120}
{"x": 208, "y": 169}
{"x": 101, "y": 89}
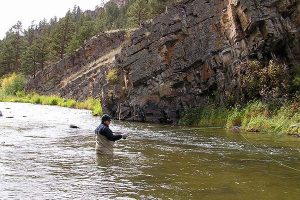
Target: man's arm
{"x": 110, "y": 136}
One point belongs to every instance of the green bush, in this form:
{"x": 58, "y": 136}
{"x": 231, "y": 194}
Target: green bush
{"x": 12, "y": 84}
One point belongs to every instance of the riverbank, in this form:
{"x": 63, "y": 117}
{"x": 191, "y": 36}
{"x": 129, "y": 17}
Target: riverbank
{"x": 12, "y": 90}
{"x": 21, "y": 97}
{"x": 255, "y": 117}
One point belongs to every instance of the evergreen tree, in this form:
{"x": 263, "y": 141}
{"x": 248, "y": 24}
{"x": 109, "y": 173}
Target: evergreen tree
{"x": 35, "y": 56}
{"x": 47, "y": 41}
{"x": 62, "y": 34}
{"x": 16, "y": 42}
{"x": 84, "y": 32}
{"x": 7, "y": 55}
{"x": 138, "y": 12}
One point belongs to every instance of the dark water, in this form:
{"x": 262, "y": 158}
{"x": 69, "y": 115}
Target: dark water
{"x": 42, "y": 158}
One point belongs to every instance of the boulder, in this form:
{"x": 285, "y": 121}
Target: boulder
{"x": 74, "y": 126}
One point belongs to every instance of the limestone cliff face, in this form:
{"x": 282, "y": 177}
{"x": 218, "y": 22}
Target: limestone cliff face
{"x": 192, "y": 54}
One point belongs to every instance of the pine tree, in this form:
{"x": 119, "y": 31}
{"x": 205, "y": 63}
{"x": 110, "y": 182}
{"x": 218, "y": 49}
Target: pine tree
{"x": 35, "y": 56}
{"x": 48, "y": 41}
{"x": 16, "y": 42}
{"x": 62, "y": 35}
{"x": 138, "y": 12}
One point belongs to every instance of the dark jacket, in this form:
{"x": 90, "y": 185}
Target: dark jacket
{"x": 104, "y": 130}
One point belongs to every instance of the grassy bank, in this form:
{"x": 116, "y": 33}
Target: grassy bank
{"x": 11, "y": 90}
{"x": 90, "y": 104}
{"x": 254, "y": 117}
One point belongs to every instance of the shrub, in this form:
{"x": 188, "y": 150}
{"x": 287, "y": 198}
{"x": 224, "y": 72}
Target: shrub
{"x": 12, "y": 84}
{"x": 269, "y": 82}
{"x": 111, "y": 76}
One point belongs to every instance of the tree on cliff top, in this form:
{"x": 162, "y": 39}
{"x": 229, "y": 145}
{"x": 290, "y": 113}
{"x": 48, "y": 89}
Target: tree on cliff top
{"x": 138, "y": 12}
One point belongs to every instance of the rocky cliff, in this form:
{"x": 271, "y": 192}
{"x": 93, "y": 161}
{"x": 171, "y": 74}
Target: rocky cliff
{"x": 195, "y": 53}
{"x": 80, "y": 76}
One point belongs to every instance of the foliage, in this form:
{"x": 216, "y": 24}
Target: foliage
{"x": 62, "y": 35}
{"x": 90, "y": 104}
{"x": 296, "y": 78}
{"x": 31, "y": 49}
{"x": 266, "y": 82}
{"x": 138, "y": 12}
{"x": 209, "y": 116}
{"x": 11, "y": 90}
{"x": 12, "y": 84}
{"x": 112, "y": 76}
{"x": 256, "y": 116}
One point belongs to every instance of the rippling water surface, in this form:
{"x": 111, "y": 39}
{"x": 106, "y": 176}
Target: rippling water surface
{"x": 42, "y": 158}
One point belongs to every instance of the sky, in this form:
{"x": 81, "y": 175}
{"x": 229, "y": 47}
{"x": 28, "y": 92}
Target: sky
{"x": 28, "y": 10}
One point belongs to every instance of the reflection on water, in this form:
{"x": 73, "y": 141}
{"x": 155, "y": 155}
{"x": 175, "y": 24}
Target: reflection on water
{"x": 42, "y": 158}
{"x": 104, "y": 161}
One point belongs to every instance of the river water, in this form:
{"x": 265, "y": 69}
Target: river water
{"x": 42, "y": 158}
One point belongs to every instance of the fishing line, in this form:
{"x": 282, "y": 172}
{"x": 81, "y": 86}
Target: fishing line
{"x": 276, "y": 161}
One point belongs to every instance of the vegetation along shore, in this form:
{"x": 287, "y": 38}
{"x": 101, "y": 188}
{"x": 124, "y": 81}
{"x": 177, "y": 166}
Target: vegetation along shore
{"x": 12, "y": 91}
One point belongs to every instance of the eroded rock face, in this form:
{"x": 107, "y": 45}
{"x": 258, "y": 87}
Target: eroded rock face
{"x": 79, "y": 76}
{"x": 194, "y": 53}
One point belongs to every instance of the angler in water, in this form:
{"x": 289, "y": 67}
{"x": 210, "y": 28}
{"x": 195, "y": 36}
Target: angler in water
{"x": 105, "y": 138}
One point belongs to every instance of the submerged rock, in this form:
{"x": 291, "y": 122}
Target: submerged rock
{"x": 74, "y": 126}
{"x": 236, "y": 129}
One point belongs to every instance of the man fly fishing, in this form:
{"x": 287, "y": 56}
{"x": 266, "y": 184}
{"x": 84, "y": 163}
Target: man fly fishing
{"x": 105, "y": 138}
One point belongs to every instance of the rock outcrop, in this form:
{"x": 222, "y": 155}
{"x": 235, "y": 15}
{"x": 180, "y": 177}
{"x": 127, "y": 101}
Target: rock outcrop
{"x": 189, "y": 56}
{"x": 193, "y": 54}
{"x": 80, "y": 76}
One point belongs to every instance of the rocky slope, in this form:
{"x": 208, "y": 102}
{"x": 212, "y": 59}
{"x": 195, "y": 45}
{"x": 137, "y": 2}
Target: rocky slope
{"x": 192, "y": 54}
{"x": 79, "y": 76}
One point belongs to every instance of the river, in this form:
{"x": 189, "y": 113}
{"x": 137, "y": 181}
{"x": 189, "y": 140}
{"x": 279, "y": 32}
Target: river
{"x": 42, "y": 158}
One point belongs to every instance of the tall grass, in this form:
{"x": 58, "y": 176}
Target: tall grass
{"x": 209, "y": 116}
{"x": 12, "y": 91}
{"x": 256, "y": 116}
{"x": 90, "y": 104}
